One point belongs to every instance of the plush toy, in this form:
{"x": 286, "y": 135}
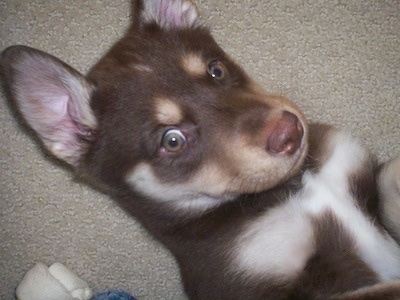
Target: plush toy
{"x": 57, "y": 282}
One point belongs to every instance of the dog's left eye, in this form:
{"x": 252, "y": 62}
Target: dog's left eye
{"x": 173, "y": 140}
{"x": 216, "y": 69}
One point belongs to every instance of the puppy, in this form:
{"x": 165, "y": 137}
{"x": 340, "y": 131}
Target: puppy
{"x": 252, "y": 201}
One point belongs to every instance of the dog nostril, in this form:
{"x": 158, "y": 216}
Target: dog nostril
{"x": 286, "y": 135}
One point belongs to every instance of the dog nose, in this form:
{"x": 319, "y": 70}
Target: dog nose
{"x": 286, "y": 135}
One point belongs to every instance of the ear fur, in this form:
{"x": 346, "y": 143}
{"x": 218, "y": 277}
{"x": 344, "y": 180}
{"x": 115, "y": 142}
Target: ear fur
{"x": 168, "y": 14}
{"x": 53, "y": 98}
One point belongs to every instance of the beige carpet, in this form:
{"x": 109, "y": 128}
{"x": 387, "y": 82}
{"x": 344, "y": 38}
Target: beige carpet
{"x": 339, "y": 60}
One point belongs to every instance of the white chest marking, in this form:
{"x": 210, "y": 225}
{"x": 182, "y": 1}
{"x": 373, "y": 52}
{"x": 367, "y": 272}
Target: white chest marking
{"x": 279, "y": 243}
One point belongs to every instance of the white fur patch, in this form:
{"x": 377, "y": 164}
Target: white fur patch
{"x": 280, "y": 242}
{"x": 277, "y": 244}
{"x": 197, "y": 194}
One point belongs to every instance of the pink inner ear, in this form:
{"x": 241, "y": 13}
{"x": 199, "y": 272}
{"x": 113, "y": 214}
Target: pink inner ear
{"x": 45, "y": 106}
{"x": 54, "y": 100}
{"x": 171, "y": 13}
{"x": 48, "y": 113}
{"x": 59, "y": 107}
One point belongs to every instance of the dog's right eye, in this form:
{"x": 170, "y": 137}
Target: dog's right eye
{"x": 216, "y": 69}
{"x": 173, "y": 140}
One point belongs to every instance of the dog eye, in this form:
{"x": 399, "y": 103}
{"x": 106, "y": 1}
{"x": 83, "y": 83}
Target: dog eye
{"x": 173, "y": 140}
{"x": 216, "y": 69}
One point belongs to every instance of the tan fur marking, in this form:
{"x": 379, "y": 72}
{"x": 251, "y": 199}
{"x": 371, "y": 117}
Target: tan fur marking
{"x": 168, "y": 112}
{"x": 194, "y": 65}
{"x": 142, "y": 68}
{"x": 275, "y": 101}
{"x": 204, "y": 190}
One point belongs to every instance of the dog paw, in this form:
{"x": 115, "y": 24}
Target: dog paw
{"x": 397, "y": 173}
{"x": 386, "y": 290}
{"x": 389, "y": 178}
{"x": 389, "y": 193}
{"x": 393, "y": 168}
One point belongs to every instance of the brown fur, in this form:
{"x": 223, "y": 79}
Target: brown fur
{"x": 149, "y": 83}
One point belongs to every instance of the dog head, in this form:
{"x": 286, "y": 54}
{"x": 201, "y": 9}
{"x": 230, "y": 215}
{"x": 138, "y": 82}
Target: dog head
{"x": 165, "y": 111}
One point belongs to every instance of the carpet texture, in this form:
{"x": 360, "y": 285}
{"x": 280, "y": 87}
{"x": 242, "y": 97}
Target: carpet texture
{"x": 338, "y": 60}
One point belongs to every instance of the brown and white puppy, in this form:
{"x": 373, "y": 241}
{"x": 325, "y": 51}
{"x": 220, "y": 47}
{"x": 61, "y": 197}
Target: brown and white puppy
{"x": 252, "y": 202}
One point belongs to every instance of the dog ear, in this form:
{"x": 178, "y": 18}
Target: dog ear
{"x": 167, "y": 14}
{"x": 53, "y": 98}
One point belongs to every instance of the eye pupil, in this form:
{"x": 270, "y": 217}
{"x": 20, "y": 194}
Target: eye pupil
{"x": 217, "y": 73}
{"x": 173, "y": 140}
{"x": 216, "y": 69}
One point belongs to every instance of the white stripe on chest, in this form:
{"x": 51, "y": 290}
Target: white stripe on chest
{"x": 278, "y": 243}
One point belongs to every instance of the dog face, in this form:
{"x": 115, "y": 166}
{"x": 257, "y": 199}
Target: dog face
{"x": 165, "y": 111}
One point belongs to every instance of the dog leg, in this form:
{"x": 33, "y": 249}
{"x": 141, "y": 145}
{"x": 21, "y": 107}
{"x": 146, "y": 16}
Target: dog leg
{"x": 387, "y": 290}
{"x": 389, "y": 192}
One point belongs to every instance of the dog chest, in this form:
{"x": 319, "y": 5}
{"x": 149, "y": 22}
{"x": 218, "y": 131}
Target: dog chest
{"x": 280, "y": 243}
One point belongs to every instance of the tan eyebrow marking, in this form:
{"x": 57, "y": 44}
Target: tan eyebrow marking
{"x": 167, "y": 111}
{"x": 193, "y": 64}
